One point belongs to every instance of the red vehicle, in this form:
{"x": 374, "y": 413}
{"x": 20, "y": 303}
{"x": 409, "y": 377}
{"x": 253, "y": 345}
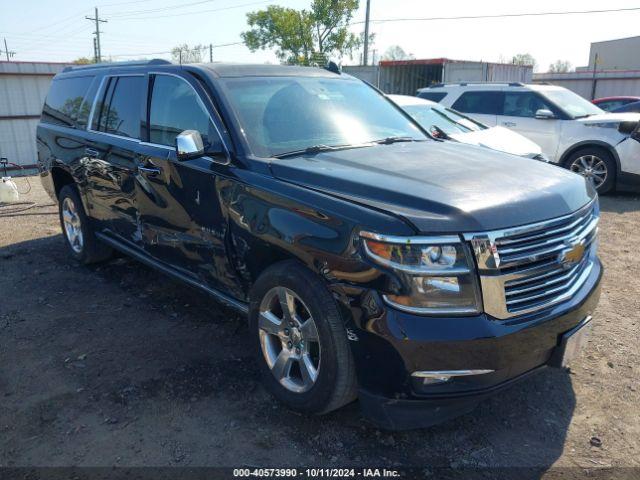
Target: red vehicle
{"x": 611, "y": 103}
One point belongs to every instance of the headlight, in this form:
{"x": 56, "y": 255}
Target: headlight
{"x": 436, "y": 273}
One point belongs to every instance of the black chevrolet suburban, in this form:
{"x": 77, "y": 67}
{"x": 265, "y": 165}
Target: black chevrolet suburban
{"x": 372, "y": 261}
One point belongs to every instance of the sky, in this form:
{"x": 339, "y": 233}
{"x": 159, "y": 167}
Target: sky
{"x": 57, "y": 30}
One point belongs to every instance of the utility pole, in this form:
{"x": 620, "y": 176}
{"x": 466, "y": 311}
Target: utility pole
{"x": 98, "y": 20}
{"x": 8, "y": 52}
{"x": 366, "y": 34}
{"x": 594, "y": 80}
{"x": 211, "y": 53}
{"x": 95, "y": 50}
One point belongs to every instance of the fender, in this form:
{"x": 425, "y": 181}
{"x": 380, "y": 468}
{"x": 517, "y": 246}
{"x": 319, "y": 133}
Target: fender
{"x": 588, "y": 143}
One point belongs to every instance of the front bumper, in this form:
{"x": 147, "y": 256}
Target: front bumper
{"x": 393, "y": 344}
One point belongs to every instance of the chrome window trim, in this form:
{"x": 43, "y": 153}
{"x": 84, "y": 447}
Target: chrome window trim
{"x": 222, "y": 139}
{"x": 450, "y": 373}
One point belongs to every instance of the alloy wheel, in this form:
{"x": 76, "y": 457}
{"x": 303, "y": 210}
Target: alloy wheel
{"x": 289, "y": 340}
{"x": 72, "y": 225}
{"x": 592, "y": 167}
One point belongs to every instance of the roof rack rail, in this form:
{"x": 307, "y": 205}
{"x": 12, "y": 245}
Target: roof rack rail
{"x": 465, "y": 84}
{"x": 134, "y": 63}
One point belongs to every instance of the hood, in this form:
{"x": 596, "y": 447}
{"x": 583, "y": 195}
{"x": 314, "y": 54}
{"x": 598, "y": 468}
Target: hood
{"x": 610, "y": 118}
{"x": 442, "y": 187}
{"x": 501, "y": 139}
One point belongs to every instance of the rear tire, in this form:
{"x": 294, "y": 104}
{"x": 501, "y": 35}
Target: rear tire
{"x": 596, "y": 164}
{"x": 77, "y": 229}
{"x": 307, "y": 366}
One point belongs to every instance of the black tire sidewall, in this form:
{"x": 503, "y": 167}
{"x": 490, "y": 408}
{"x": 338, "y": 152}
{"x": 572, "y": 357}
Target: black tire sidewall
{"x": 322, "y": 306}
{"x": 606, "y": 157}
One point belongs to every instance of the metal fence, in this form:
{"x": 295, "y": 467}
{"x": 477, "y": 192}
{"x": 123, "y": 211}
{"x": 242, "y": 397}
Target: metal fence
{"x": 604, "y": 84}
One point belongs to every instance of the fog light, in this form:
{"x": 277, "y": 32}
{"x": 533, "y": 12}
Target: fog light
{"x": 434, "y": 377}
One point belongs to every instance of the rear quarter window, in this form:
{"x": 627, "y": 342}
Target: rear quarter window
{"x": 433, "y": 96}
{"x": 65, "y": 103}
{"x": 487, "y": 102}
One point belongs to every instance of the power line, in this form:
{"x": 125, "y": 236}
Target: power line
{"x": 196, "y": 12}
{"x": 503, "y": 15}
{"x": 202, "y": 48}
{"x": 160, "y": 9}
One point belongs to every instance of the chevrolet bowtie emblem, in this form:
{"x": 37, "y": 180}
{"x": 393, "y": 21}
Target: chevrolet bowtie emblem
{"x": 573, "y": 254}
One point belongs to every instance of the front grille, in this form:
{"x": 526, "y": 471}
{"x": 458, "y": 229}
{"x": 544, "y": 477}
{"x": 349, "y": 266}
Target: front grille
{"x": 529, "y": 268}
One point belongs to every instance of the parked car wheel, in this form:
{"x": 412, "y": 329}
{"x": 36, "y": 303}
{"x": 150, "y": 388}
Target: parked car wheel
{"x": 596, "y": 165}
{"x": 77, "y": 230}
{"x": 300, "y": 340}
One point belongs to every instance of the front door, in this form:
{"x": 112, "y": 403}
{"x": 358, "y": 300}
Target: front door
{"x": 180, "y": 218}
{"x": 519, "y": 114}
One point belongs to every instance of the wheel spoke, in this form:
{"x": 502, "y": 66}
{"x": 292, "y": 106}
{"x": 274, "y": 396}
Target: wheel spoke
{"x": 308, "y": 370}
{"x": 583, "y": 161}
{"x": 309, "y": 331}
{"x": 269, "y": 323}
{"x": 282, "y": 366}
{"x": 288, "y": 304}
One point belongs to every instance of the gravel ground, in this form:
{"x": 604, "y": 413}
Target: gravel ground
{"x": 116, "y": 365}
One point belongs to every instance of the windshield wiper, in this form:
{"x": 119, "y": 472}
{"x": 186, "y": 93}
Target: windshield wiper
{"x": 312, "y": 150}
{"x": 390, "y": 140}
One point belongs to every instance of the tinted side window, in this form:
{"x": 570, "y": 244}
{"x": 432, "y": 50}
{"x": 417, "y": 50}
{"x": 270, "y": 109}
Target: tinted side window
{"x": 65, "y": 101}
{"x": 523, "y": 104}
{"x": 433, "y": 96}
{"x": 174, "y": 108}
{"x": 489, "y": 103}
{"x": 121, "y": 106}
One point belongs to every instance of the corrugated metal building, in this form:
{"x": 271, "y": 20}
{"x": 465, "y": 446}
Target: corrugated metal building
{"x": 407, "y": 76}
{"x": 619, "y": 54}
{"x": 604, "y": 84}
{"x": 23, "y": 88}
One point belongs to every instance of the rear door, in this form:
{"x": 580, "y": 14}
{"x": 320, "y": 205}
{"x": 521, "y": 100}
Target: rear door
{"x": 482, "y": 105}
{"x": 181, "y": 221}
{"x": 518, "y": 113}
{"x": 112, "y": 148}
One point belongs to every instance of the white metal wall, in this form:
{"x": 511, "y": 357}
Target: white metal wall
{"x": 608, "y": 84}
{"x": 23, "y": 89}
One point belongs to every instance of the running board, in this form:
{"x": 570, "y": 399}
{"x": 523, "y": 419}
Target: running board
{"x": 221, "y": 297}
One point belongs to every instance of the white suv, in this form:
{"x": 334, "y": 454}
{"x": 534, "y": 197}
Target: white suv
{"x": 604, "y": 147}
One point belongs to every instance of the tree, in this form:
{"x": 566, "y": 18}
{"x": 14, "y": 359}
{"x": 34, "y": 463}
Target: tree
{"x": 186, "y": 54}
{"x": 524, "y": 59}
{"x": 83, "y": 61}
{"x": 560, "y": 66}
{"x": 396, "y": 52}
{"x": 304, "y": 36}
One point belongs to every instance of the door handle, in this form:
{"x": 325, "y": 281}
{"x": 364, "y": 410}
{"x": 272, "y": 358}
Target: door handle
{"x": 91, "y": 152}
{"x": 150, "y": 171}
{"x": 509, "y": 124}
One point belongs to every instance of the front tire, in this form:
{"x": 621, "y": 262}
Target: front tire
{"x": 596, "y": 165}
{"x": 77, "y": 230}
{"x": 300, "y": 341}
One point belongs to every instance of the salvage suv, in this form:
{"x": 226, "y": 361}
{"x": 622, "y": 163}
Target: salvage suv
{"x": 372, "y": 261}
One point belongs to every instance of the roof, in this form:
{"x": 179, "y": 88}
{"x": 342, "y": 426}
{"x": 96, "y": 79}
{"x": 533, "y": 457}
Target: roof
{"x": 263, "y": 70}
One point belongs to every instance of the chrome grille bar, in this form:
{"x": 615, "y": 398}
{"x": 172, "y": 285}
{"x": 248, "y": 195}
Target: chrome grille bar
{"x": 529, "y": 268}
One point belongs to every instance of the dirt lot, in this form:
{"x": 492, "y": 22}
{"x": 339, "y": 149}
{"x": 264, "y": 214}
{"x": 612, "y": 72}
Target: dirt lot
{"x": 118, "y": 365}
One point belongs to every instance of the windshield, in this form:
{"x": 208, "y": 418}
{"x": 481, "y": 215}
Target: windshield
{"x": 449, "y": 121}
{"x": 280, "y": 115}
{"x": 573, "y": 104}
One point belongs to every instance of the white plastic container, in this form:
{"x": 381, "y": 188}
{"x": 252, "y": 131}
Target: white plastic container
{"x": 8, "y": 191}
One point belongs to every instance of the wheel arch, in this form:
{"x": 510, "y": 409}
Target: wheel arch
{"x": 61, "y": 177}
{"x": 591, "y": 143}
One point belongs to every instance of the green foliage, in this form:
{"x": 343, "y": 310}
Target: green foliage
{"x": 304, "y": 37}
{"x": 396, "y": 52}
{"x": 83, "y": 61}
{"x": 524, "y": 59}
{"x": 560, "y": 66}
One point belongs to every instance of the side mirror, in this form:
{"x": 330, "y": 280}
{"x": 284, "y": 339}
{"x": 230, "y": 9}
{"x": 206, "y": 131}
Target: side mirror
{"x": 627, "y": 128}
{"x": 189, "y": 145}
{"x": 544, "y": 114}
